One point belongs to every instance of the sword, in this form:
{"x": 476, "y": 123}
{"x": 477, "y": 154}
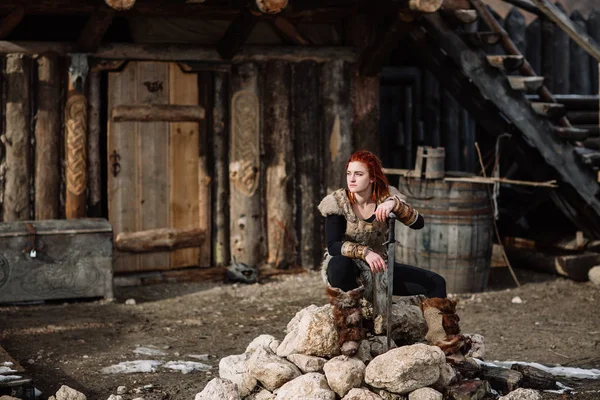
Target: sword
{"x": 391, "y": 241}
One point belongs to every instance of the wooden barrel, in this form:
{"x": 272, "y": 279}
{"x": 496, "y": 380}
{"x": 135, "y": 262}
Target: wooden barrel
{"x": 456, "y": 241}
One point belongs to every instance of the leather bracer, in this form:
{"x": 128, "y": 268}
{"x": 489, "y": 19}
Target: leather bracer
{"x": 354, "y": 250}
{"x": 405, "y": 213}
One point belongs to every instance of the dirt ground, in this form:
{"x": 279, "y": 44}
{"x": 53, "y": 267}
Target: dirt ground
{"x": 69, "y": 343}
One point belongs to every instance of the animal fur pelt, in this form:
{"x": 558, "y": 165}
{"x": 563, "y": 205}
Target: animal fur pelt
{"x": 443, "y": 329}
{"x": 347, "y": 317}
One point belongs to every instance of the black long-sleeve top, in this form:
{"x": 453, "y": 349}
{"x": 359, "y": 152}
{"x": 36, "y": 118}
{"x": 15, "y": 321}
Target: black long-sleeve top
{"x": 335, "y": 227}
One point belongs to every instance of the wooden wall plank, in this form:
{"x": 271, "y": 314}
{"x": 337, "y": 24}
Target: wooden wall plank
{"x": 152, "y": 87}
{"x": 122, "y": 142}
{"x": 204, "y": 84}
{"x": 184, "y": 164}
{"x": 47, "y": 139}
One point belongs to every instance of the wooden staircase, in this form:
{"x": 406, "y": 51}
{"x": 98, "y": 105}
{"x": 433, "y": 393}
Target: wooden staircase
{"x": 508, "y": 85}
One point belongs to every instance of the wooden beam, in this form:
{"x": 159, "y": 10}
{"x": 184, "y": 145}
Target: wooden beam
{"x": 549, "y": 110}
{"x": 237, "y": 32}
{"x": 162, "y": 239}
{"x": 92, "y": 33}
{"x": 505, "y": 63}
{"x": 10, "y": 21}
{"x": 120, "y": 5}
{"x": 186, "y": 52}
{"x": 373, "y": 57}
{"x": 271, "y": 6}
{"x": 456, "y": 4}
{"x": 569, "y": 27}
{"x": 157, "y": 112}
{"x": 528, "y": 84}
{"x": 288, "y": 30}
{"x": 525, "y": 5}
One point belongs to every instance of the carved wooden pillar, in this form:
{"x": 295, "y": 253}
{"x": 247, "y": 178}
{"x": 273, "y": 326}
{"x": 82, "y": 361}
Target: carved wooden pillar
{"x": 76, "y": 126}
{"x": 247, "y": 225}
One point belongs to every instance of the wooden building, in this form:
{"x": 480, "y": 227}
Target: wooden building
{"x": 207, "y": 130}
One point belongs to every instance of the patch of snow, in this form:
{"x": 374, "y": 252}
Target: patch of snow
{"x": 568, "y": 372}
{"x": 131, "y": 367}
{"x": 203, "y": 357}
{"x": 186, "y": 366}
{"x": 6, "y": 370}
{"x": 149, "y": 351}
{"x": 8, "y": 378}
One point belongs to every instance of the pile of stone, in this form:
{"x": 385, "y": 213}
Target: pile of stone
{"x": 307, "y": 365}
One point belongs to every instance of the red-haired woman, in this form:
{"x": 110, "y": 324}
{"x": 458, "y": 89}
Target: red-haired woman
{"x": 355, "y": 229}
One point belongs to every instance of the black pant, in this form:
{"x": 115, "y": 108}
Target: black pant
{"x": 342, "y": 273}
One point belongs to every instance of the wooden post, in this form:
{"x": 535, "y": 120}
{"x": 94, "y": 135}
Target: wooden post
{"x": 579, "y": 75}
{"x": 94, "y": 146}
{"x": 76, "y": 126}
{"x": 17, "y": 203}
{"x": 432, "y": 109}
{"x": 450, "y": 131}
{"x": 220, "y": 141}
{"x": 247, "y": 227}
{"x": 561, "y": 59}
{"x": 308, "y": 152}
{"x": 594, "y": 30}
{"x": 534, "y": 45}
{"x": 548, "y": 54}
{"x": 47, "y": 139}
{"x": 515, "y": 27}
{"x": 279, "y": 161}
{"x": 337, "y": 122}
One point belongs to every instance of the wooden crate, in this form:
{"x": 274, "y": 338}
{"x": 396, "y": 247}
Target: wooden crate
{"x": 55, "y": 259}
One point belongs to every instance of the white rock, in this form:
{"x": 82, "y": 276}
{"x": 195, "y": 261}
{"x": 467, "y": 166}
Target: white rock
{"x": 274, "y": 345}
{"x": 447, "y": 377}
{"x": 311, "y": 332}
{"x": 139, "y": 398}
{"x": 477, "y": 346}
{"x": 594, "y": 275}
{"x": 405, "y": 369}
{"x": 522, "y": 394}
{"x": 344, "y": 373}
{"x": 270, "y": 370}
{"x": 51, "y": 398}
{"x": 361, "y": 394}
{"x": 307, "y": 363}
{"x": 114, "y": 397}
{"x": 6, "y": 397}
{"x": 425, "y": 394}
{"x": 218, "y": 389}
{"x": 121, "y": 390}
{"x": 516, "y": 300}
{"x": 310, "y": 386}
{"x": 262, "y": 395}
{"x": 260, "y": 341}
{"x": 67, "y": 393}
{"x": 233, "y": 368}
{"x": 130, "y": 302}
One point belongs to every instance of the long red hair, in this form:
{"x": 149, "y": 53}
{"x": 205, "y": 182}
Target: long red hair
{"x": 381, "y": 188}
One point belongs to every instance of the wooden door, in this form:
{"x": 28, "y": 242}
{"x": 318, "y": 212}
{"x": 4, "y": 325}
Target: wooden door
{"x": 155, "y": 176}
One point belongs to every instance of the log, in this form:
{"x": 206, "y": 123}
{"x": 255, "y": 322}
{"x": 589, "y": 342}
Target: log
{"x": 515, "y": 27}
{"x": 571, "y": 133}
{"x": 76, "y": 131}
{"x": 482, "y": 39}
{"x": 503, "y": 380}
{"x": 580, "y": 75}
{"x": 487, "y": 25}
{"x": 162, "y": 239}
{"x": 203, "y": 81}
{"x": 432, "y": 109}
{"x": 583, "y": 117}
{"x": 506, "y": 63}
{"x": 534, "y": 46}
{"x": 17, "y": 204}
{"x": 157, "y": 112}
{"x": 47, "y": 139}
{"x": 456, "y": 4}
{"x": 289, "y": 31}
{"x": 468, "y": 389}
{"x": 548, "y": 53}
{"x": 593, "y": 23}
{"x": 593, "y": 130}
{"x": 279, "y": 150}
{"x": 309, "y": 152}
{"x": 592, "y": 143}
{"x": 562, "y": 61}
{"x": 120, "y": 5}
{"x": 574, "y": 102}
{"x": 337, "y": 122}
{"x": 576, "y": 267}
{"x": 237, "y": 32}
{"x": 525, "y": 5}
{"x": 245, "y": 175}
{"x": 220, "y": 140}
{"x": 271, "y": 6}
{"x": 461, "y": 17}
{"x": 92, "y": 33}
{"x": 425, "y": 6}
{"x": 535, "y": 378}
{"x": 11, "y": 21}
{"x": 450, "y": 125}
{"x": 94, "y": 146}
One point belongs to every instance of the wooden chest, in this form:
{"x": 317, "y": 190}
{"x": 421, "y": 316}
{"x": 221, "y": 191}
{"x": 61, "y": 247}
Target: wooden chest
{"x": 55, "y": 259}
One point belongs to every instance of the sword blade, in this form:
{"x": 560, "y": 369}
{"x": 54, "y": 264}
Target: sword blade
{"x": 390, "y": 277}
